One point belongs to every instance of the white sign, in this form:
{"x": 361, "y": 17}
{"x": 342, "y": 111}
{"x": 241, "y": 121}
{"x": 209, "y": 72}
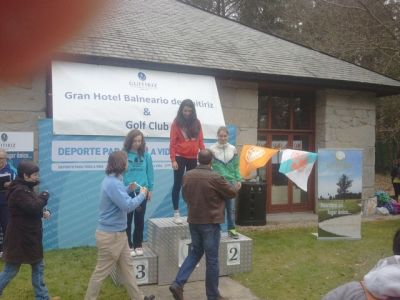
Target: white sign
{"x": 141, "y": 270}
{"x": 183, "y": 250}
{"x": 233, "y": 254}
{"x": 16, "y": 141}
{"x": 106, "y": 100}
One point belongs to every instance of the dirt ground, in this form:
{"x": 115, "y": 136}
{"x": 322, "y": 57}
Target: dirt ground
{"x": 383, "y": 183}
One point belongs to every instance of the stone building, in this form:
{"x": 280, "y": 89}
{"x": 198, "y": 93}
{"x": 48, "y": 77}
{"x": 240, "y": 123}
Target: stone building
{"x": 276, "y": 92}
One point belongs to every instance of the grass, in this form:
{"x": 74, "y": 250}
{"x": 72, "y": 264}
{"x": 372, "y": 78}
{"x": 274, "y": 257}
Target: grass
{"x": 293, "y": 264}
{"x": 287, "y": 264}
{"x": 67, "y": 274}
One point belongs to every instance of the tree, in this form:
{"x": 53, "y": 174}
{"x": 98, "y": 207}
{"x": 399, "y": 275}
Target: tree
{"x": 343, "y": 184}
{"x": 224, "y": 8}
{"x": 363, "y": 32}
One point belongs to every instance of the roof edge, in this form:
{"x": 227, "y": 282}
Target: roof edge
{"x": 380, "y": 90}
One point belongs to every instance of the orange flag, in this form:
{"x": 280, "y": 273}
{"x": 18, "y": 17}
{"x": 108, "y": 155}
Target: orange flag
{"x": 254, "y": 157}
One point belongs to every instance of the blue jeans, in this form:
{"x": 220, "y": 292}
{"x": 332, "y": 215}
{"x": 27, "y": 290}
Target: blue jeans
{"x": 10, "y": 270}
{"x": 205, "y": 239}
{"x": 230, "y": 209}
{"x": 230, "y": 213}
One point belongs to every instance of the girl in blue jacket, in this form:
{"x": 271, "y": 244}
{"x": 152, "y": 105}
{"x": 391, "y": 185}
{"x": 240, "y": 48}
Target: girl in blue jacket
{"x": 140, "y": 171}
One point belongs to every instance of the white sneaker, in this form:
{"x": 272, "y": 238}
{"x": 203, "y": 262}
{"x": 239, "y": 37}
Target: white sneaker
{"x": 133, "y": 253}
{"x": 139, "y": 251}
{"x": 177, "y": 219}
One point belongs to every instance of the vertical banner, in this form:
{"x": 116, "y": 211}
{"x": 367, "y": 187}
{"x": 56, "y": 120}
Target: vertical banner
{"x": 19, "y": 146}
{"x": 339, "y": 193}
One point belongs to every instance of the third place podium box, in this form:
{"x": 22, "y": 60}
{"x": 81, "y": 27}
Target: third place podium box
{"x": 145, "y": 267}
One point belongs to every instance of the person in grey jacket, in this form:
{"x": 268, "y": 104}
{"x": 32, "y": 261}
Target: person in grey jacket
{"x": 381, "y": 282}
{"x": 204, "y": 192}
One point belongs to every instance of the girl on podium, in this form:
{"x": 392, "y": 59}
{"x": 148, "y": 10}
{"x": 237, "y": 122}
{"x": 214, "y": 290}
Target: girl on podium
{"x": 186, "y": 140}
{"x": 140, "y": 171}
{"x": 226, "y": 163}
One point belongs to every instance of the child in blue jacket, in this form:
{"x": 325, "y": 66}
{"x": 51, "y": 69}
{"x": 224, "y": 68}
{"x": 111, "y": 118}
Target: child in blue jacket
{"x": 140, "y": 171}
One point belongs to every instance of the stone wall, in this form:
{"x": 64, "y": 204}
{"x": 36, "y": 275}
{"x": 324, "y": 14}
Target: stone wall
{"x": 346, "y": 119}
{"x": 22, "y": 104}
{"x": 239, "y": 102}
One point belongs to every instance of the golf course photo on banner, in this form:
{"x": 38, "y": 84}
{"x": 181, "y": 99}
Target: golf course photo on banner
{"x": 339, "y": 193}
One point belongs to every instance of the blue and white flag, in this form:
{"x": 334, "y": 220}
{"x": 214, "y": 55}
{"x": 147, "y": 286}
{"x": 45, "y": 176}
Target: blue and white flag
{"x": 297, "y": 166}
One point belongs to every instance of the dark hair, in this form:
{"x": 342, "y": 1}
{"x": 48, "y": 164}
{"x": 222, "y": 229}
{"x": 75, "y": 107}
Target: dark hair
{"x": 129, "y": 140}
{"x": 117, "y": 162}
{"x": 223, "y": 128}
{"x": 205, "y": 157}
{"x": 396, "y": 243}
{"x": 26, "y": 167}
{"x": 191, "y": 126}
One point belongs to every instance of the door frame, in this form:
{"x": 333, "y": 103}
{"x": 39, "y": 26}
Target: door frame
{"x": 267, "y": 135}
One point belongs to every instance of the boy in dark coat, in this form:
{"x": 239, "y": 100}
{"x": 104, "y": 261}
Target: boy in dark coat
{"x": 23, "y": 240}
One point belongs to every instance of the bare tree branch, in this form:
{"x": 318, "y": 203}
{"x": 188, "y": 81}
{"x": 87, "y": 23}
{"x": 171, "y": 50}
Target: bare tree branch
{"x": 341, "y": 5}
{"x": 388, "y": 30}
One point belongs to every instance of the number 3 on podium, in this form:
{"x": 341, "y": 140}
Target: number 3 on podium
{"x": 141, "y": 271}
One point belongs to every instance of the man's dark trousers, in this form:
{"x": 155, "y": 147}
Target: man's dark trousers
{"x": 205, "y": 239}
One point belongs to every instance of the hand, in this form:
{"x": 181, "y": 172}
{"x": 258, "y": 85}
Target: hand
{"x": 238, "y": 185}
{"x": 144, "y": 191}
{"x": 46, "y": 214}
{"x": 7, "y": 184}
{"x": 149, "y": 194}
{"x": 132, "y": 187}
{"x": 175, "y": 165}
{"x": 45, "y": 194}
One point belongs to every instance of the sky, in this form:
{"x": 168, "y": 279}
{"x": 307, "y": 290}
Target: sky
{"x": 332, "y": 163}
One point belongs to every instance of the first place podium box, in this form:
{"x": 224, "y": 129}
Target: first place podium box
{"x": 169, "y": 242}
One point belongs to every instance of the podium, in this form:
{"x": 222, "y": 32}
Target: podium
{"x": 235, "y": 256}
{"x": 171, "y": 244}
{"x": 167, "y": 248}
{"x": 145, "y": 267}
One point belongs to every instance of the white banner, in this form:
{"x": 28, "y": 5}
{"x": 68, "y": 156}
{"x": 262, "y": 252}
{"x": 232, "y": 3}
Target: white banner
{"x": 106, "y": 100}
{"x": 16, "y": 141}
